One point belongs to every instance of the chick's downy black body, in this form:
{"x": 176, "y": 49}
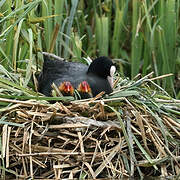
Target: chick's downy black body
{"x": 57, "y": 71}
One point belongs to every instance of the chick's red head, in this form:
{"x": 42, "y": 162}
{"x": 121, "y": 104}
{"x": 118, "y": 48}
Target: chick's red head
{"x": 66, "y": 88}
{"x": 84, "y": 87}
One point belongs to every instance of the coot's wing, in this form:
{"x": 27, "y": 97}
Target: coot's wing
{"x": 75, "y": 80}
{"x": 53, "y": 69}
{"x": 59, "y": 71}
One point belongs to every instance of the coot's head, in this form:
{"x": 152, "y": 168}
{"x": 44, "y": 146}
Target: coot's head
{"x": 66, "y": 88}
{"x": 84, "y": 90}
{"x": 103, "y": 67}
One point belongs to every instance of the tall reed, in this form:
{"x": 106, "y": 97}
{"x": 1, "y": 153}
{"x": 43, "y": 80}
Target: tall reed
{"x": 143, "y": 34}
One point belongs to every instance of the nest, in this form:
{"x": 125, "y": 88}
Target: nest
{"x": 132, "y": 133}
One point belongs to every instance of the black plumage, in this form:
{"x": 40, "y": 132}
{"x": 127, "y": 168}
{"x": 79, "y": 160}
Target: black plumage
{"x": 57, "y": 71}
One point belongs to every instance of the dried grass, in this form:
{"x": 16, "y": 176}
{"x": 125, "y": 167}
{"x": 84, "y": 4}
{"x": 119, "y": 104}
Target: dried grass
{"x": 133, "y": 135}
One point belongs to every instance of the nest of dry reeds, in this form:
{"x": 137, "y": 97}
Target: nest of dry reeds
{"x": 134, "y": 132}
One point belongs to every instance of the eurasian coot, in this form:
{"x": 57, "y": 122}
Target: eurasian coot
{"x": 99, "y": 75}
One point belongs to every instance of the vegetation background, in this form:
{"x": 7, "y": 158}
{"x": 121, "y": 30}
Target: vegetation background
{"x": 140, "y": 35}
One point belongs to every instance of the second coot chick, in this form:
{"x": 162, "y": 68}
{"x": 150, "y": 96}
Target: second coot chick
{"x": 84, "y": 90}
{"x": 99, "y": 75}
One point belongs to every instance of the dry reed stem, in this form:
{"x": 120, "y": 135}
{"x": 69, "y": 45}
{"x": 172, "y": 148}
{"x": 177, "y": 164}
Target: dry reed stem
{"x": 84, "y": 137}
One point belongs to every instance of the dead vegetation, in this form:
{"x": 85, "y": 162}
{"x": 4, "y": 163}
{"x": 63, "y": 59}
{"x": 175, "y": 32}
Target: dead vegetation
{"x": 134, "y": 132}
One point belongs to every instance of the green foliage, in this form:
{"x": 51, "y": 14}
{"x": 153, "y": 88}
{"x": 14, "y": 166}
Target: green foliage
{"x": 144, "y": 34}
{"x": 102, "y": 35}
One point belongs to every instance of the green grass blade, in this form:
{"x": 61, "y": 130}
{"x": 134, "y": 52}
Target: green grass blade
{"x": 16, "y": 41}
{"x": 126, "y": 136}
{"x": 144, "y": 152}
{"x": 137, "y": 40}
{"x": 119, "y": 23}
{"x": 37, "y": 97}
{"x": 14, "y": 85}
{"x": 11, "y": 123}
{"x": 29, "y": 7}
{"x": 102, "y": 35}
{"x": 69, "y": 25}
{"x": 29, "y": 66}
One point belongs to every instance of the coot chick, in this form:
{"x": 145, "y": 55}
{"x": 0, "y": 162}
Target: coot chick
{"x": 99, "y": 75}
{"x": 84, "y": 90}
{"x": 66, "y": 88}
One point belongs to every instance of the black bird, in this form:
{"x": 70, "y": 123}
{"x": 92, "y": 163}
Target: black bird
{"x": 99, "y": 75}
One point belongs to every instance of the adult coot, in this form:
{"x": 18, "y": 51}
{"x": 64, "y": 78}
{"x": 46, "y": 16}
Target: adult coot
{"x": 99, "y": 75}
